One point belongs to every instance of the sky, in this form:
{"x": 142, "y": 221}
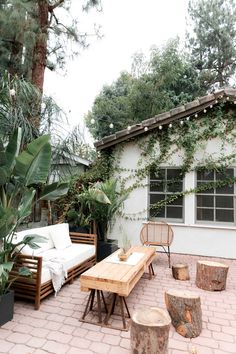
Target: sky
{"x": 127, "y": 26}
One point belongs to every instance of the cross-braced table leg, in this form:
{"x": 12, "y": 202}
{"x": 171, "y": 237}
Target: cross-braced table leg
{"x": 122, "y": 302}
{"x": 90, "y": 303}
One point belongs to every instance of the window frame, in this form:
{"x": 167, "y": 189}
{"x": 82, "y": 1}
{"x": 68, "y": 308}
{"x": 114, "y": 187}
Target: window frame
{"x": 214, "y": 195}
{"x": 172, "y": 220}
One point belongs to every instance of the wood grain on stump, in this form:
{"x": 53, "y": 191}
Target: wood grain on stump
{"x": 149, "y": 331}
{"x": 185, "y": 311}
{"x": 180, "y": 271}
{"x": 211, "y": 276}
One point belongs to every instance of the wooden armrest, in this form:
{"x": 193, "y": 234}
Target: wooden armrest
{"x": 77, "y": 237}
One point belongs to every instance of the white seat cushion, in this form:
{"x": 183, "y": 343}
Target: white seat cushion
{"x": 70, "y": 257}
{"x": 41, "y": 231}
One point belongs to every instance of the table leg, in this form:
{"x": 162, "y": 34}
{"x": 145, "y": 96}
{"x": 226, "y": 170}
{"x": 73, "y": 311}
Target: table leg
{"x": 151, "y": 271}
{"x": 122, "y": 302}
{"x": 90, "y": 303}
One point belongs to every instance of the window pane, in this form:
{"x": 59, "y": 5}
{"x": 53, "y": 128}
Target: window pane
{"x": 228, "y": 173}
{"x": 160, "y": 174}
{"x": 174, "y": 187}
{"x": 205, "y": 214}
{"x": 173, "y": 173}
{"x": 207, "y": 191}
{"x": 225, "y": 190}
{"x": 205, "y": 201}
{"x": 160, "y": 213}
{"x": 156, "y": 186}
{"x": 178, "y": 201}
{"x": 205, "y": 175}
{"x": 224, "y": 202}
{"x": 224, "y": 215}
{"x": 174, "y": 212}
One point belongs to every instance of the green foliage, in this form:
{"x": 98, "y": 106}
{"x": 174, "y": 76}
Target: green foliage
{"x": 158, "y": 147}
{"x": 165, "y": 81}
{"x": 21, "y": 172}
{"x": 213, "y": 41}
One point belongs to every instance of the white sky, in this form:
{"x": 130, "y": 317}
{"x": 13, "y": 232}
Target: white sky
{"x": 128, "y": 26}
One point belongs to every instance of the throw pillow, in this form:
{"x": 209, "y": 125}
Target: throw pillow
{"x": 60, "y": 236}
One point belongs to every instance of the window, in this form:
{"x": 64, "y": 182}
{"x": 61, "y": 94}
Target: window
{"x": 215, "y": 204}
{"x": 163, "y": 184}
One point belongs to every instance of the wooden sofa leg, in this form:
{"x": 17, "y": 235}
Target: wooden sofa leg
{"x": 37, "y": 303}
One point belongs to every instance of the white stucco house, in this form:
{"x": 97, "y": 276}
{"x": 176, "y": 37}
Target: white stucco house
{"x": 200, "y": 138}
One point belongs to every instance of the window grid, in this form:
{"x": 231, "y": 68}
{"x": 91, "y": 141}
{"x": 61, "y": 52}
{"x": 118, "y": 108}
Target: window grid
{"x": 227, "y": 212}
{"x": 164, "y": 192}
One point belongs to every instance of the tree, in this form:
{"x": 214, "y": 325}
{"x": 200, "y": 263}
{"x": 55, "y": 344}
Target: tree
{"x": 161, "y": 83}
{"x": 213, "y": 41}
{"x": 33, "y": 38}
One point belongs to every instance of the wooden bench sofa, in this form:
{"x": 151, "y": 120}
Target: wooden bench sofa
{"x": 83, "y": 250}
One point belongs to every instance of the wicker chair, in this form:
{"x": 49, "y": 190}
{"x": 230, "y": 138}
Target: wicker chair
{"x": 157, "y": 234}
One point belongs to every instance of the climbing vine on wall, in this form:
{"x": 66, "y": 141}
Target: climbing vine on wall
{"x": 184, "y": 138}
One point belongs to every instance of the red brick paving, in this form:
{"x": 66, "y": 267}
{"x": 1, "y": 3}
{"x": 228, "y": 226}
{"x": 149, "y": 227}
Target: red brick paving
{"x": 56, "y": 328}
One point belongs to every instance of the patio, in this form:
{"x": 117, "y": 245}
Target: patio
{"x": 56, "y": 328}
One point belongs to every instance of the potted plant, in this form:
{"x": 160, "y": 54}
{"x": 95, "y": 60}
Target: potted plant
{"x": 20, "y": 174}
{"x": 104, "y": 215}
{"x": 125, "y": 246}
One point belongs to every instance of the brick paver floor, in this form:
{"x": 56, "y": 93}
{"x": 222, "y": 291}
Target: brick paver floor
{"x": 56, "y": 328}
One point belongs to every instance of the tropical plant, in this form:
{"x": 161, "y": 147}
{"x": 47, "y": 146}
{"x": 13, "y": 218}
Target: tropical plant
{"x": 20, "y": 174}
{"x": 103, "y": 214}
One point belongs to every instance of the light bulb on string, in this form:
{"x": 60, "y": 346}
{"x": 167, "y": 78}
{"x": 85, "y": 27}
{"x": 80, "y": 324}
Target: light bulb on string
{"x": 170, "y": 125}
{"x": 92, "y": 121}
{"x": 181, "y": 122}
{"x": 160, "y": 127}
{"x": 129, "y": 127}
{"x": 196, "y": 115}
{"x": 205, "y": 110}
{"x": 211, "y": 106}
{"x": 111, "y": 125}
{"x": 187, "y": 119}
{"x": 146, "y": 129}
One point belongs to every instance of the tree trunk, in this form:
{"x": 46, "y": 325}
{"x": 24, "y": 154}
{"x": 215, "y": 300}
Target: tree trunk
{"x": 180, "y": 271}
{"x": 185, "y": 311}
{"x": 150, "y": 331}
{"x": 211, "y": 276}
{"x": 40, "y": 48}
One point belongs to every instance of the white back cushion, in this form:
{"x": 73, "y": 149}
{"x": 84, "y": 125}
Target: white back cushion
{"x": 41, "y": 231}
{"x": 60, "y": 236}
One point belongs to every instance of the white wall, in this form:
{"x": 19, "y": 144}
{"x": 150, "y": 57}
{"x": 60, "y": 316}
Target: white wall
{"x": 189, "y": 237}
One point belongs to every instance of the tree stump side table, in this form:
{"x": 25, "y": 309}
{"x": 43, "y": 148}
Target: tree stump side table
{"x": 149, "y": 331}
{"x": 211, "y": 276}
{"x": 180, "y": 271}
{"x": 184, "y": 308}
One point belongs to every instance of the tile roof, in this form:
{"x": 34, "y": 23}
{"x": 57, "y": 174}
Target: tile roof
{"x": 174, "y": 114}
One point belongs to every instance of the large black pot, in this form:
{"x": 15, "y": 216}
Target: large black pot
{"x": 80, "y": 229}
{"x": 105, "y": 248}
{"x": 6, "y": 307}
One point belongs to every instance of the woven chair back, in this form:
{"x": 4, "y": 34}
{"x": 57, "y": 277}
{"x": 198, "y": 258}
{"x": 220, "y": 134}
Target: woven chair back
{"x": 157, "y": 233}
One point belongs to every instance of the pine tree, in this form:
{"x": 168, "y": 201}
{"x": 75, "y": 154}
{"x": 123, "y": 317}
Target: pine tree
{"x": 213, "y": 41}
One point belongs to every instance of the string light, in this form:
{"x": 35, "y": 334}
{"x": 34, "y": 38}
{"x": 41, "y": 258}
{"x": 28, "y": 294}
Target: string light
{"x": 92, "y": 121}
{"x": 205, "y": 110}
{"x": 146, "y": 129}
{"x": 211, "y": 106}
{"x": 227, "y": 98}
{"x": 187, "y": 118}
{"x": 129, "y": 127}
{"x": 216, "y": 101}
{"x": 196, "y": 115}
{"x": 111, "y": 126}
{"x": 181, "y": 122}
{"x": 170, "y": 125}
{"x": 160, "y": 127}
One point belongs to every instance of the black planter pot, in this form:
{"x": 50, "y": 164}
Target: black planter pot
{"x": 105, "y": 248}
{"x": 6, "y": 307}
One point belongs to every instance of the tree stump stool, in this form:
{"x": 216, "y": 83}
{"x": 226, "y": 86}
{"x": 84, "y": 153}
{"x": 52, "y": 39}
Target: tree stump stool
{"x": 184, "y": 308}
{"x": 149, "y": 331}
{"x": 180, "y": 271}
{"x": 211, "y": 276}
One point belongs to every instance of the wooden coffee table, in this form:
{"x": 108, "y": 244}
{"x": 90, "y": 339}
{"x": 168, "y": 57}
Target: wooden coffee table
{"x": 117, "y": 278}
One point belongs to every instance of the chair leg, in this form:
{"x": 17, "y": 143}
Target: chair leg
{"x": 169, "y": 255}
